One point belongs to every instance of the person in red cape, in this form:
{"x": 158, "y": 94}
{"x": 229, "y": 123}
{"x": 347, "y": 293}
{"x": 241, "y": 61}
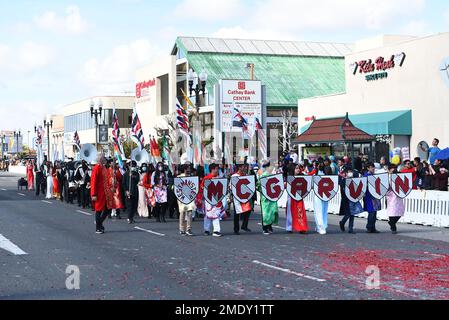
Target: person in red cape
{"x": 30, "y": 175}
{"x": 56, "y": 187}
{"x": 101, "y": 193}
{"x": 296, "y": 212}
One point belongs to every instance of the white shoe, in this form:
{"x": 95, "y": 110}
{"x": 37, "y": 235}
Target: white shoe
{"x": 322, "y": 232}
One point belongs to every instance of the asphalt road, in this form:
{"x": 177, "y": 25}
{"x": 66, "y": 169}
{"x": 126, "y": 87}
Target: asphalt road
{"x": 155, "y": 262}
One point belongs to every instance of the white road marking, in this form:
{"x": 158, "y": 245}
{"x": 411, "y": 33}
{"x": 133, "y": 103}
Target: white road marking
{"x": 85, "y": 213}
{"x": 289, "y": 271}
{"x": 276, "y": 227}
{"x": 21, "y": 194}
{"x": 149, "y": 231}
{"x": 45, "y": 201}
{"x": 11, "y": 247}
{"x": 4, "y": 189}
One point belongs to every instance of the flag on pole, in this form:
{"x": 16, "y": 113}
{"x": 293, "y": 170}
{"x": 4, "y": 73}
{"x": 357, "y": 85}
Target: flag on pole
{"x": 40, "y": 151}
{"x": 118, "y": 147}
{"x": 262, "y": 138}
{"x": 154, "y": 147}
{"x": 166, "y": 153}
{"x": 238, "y": 121}
{"x": 136, "y": 131}
{"x": 182, "y": 119}
{"x": 76, "y": 140}
{"x": 187, "y": 99}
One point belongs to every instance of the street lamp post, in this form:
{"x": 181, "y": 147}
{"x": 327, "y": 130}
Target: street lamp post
{"x": 199, "y": 87}
{"x": 17, "y": 135}
{"x": 48, "y": 125}
{"x": 2, "y": 137}
{"x": 95, "y": 113}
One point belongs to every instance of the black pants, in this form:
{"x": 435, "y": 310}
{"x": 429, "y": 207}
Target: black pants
{"x": 392, "y": 222}
{"x": 372, "y": 218}
{"x": 160, "y": 210}
{"x": 349, "y": 217}
{"x": 40, "y": 184}
{"x": 245, "y": 220}
{"x": 84, "y": 196}
{"x": 132, "y": 209}
{"x": 100, "y": 217}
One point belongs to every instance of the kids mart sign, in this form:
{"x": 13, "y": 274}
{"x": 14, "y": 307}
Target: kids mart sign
{"x": 378, "y": 69}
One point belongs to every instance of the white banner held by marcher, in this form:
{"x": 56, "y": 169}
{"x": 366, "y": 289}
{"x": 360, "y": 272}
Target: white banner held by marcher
{"x": 215, "y": 190}
{"x": 299, "y": 187}
{"x": 186, "y": 189}
{"x": 402, "y": 184}
{"x": 378, "y": 185}
{"x": 272, "y": 187}
{"x": 325, "y": 187}
{"x": 355, "y": 188}
{"x": 243, "y": 188}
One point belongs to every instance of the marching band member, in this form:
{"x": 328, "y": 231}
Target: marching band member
{"x": 296, "y": 212}
{"x": 213, "y": 214}
{"x": 132, "y": 179}
{"x": 269, "y": 208}
{"x": 395, "y": 205}
{"x": 186, "y": 210}
{"x": 101, "y": 193}
{"x": 116, "y": 182}
{"x": 82, "y": 178}
{"x": 348, "y": 209}
{"x": 371, "y": 204}
{"x": 321, "y": 207}
{"x": 159, "y": 181}
{"x": 49, "y": 175}
{"x": 142, "y": 207}
{"x": 30, "y": 175}
{"x": 241, "y": 209}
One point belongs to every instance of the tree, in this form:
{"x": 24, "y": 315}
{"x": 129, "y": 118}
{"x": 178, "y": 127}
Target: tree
{"x": 289, "y": 130}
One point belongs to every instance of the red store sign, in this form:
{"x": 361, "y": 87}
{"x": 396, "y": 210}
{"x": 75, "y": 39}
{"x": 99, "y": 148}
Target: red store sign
{"x": 381, "y": 64}
{"x": 141, "y": 86}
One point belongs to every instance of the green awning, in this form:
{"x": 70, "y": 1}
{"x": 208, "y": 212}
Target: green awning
{"x": 388, "y": 123}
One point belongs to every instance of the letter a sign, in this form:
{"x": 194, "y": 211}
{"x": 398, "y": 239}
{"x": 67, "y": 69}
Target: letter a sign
{"x": 402, "y": 184}
{"x": 243, "y": 188}
{"x": 299, "y": 187}
{"x": 272, "y": 187}
{"x": 325, "y": 187}
{"x": 355, "y": 188}
{"x": 378, "y": 185}
{"x": 186, "y": 189}
{"x": 215, "y": 190}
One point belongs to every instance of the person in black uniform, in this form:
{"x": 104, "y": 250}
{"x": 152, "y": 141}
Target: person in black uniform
{"x": 132, "y": 179}
{"x": 40, "y": 179}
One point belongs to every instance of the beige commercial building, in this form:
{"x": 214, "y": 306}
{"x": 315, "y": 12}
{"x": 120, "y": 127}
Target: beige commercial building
{"x": 77, "y": 117}
{"x": 397, "y": 88}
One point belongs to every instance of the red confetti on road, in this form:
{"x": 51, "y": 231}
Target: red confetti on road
{"x": 416, "y": 274}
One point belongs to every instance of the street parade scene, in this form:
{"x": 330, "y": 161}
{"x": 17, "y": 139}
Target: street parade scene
{"x": 254, "y": 162}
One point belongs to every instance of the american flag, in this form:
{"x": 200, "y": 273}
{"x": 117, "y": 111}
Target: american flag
{"x": 136, "y": 132}
{"x": 76, "y": 140}
{"x": 262, "y": 138}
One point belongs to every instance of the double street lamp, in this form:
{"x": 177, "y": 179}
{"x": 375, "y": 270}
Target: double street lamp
{"x": 95, "y": 113}
{"x": 197, "y": 84}
{"x": 48, "y": 125}
{"x": 17, "y": 135}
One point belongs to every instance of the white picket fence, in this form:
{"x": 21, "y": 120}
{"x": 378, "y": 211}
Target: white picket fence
{"x": 429, "y": 208}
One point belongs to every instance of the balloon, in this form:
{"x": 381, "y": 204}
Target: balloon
{"x": 396, "y": 160}
{"x": 391, "y": 154}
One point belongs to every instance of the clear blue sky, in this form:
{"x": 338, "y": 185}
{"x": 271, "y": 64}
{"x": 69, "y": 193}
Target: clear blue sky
{"x": 55, "y": 52}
